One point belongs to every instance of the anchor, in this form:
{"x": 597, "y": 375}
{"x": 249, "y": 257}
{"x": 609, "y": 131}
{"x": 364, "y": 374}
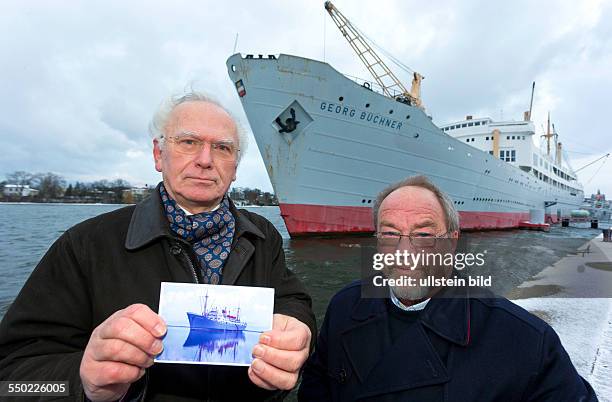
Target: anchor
{"x": 290, "y": 123}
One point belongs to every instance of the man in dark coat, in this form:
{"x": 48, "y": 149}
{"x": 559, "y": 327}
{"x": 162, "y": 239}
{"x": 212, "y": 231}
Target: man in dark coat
{"x": 87, "y": 313}
{"x": 421, "y": 344}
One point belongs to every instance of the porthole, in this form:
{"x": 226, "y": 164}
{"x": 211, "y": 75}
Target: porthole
{"x": 233, "y": 68}
{"x": 367, "y": 105}
{"x": 407, "y": 117}
{"x": 341, "y": 98}
{"x": 391, "y": 111}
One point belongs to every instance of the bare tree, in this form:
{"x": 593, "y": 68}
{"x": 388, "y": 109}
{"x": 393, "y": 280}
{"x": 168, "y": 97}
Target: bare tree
{"x": 20, "y": 178}
{"x": 51, "y": 185}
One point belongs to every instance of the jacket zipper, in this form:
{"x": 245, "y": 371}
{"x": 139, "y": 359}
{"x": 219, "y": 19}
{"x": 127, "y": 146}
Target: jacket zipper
{"x": 195, "y": 278}
{"x": 193, "y": 272}
{"x": 176, "y": 249}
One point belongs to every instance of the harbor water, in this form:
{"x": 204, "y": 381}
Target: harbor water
{"x": 325, "y": 265}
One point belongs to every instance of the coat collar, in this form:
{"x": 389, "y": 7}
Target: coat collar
{"x": 447, "y": 314}
{"x": 149, "y": 222}
{"x": 382, "y": 366}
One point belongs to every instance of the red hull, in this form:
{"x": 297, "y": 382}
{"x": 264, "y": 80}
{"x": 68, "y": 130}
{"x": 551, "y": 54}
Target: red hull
{"x": 304, "y": 220}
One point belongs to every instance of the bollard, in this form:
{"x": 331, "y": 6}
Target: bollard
{"x": 594, "y": 223}
{"x": 607, "y": 234}
{"x": 565, "y": 222}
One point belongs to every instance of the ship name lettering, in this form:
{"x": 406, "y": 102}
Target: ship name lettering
{"x": 367, "y": 116}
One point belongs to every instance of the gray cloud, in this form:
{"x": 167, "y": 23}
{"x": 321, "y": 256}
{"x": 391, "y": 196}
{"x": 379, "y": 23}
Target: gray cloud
{"x": 80, "y": 80}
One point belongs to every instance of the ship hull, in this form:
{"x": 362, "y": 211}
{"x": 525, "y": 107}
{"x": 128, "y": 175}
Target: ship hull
{"x": 308, "y": 220}
{"x": 350, "y": 142}
{"x": 199, "y": 322}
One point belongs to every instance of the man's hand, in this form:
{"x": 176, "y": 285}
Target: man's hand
{"x": 280, "y": 354}
{"x": 119, "y": 350}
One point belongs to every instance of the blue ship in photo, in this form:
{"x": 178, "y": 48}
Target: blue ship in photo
{"x": 216, "y": 319}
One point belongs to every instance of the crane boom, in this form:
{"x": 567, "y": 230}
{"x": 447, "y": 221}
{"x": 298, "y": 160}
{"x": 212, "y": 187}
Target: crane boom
{"x": 589, "y": 164}
{"x": 390, "y": 84}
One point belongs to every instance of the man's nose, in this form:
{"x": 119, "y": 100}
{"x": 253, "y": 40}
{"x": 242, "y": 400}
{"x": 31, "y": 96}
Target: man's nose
{"x": 204, "y": 158}
{"x": 405, "y": 244}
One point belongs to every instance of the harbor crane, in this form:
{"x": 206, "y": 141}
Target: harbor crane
{"x": 388, "y": 81}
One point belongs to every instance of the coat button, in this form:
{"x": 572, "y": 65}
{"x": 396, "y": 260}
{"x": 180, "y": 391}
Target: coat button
{"x": 175, "y": 249}
{"x": 342, "y": 376}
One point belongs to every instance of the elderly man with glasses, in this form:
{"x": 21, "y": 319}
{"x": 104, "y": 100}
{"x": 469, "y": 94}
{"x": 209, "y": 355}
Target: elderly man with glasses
{"x": 87, "y": 313}
{"x": 427, "y": 342}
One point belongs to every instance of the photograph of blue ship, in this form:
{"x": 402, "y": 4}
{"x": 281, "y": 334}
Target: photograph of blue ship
{"x": 216, "y": 319}
{"x": 213, "y": 324}
{"x": 216, "y": 335}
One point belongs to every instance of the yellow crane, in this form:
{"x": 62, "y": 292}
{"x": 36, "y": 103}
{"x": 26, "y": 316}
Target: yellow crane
{"x": 390, "y": 84}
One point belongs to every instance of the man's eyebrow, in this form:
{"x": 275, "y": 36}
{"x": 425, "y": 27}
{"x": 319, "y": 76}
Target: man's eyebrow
{"x": 192, "y": 134}
{"x": 186, "y": 134}
{"x": 388, "y": 223}
{"x": 427, "y": 223}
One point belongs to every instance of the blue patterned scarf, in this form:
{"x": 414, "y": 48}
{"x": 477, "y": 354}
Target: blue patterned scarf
{"x": 209, "y": 233}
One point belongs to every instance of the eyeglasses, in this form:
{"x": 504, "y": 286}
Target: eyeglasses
{"x": 190, "y": 145}
{"x": 417, "y": 240}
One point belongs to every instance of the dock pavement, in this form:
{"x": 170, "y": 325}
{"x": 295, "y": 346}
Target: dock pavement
{"x": 575, "y": 297}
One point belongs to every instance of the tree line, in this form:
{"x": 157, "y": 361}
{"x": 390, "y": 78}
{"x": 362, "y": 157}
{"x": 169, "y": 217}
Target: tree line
{"x": 51, "y": 187}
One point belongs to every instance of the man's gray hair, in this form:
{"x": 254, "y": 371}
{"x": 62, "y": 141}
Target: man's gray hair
{"x": 165, "y": 109}
{"x": 450, "y": 213}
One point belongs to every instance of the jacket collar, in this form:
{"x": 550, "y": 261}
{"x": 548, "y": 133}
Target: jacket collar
{"x": 149, "y": 222}
{"x": 411, "y": 361}
{"x": 447, "y": 314}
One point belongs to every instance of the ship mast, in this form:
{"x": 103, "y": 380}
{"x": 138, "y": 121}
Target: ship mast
{"x": 379, "y": 70}
{"x": 205, "y": 303}
{"x": 548, "y": 136}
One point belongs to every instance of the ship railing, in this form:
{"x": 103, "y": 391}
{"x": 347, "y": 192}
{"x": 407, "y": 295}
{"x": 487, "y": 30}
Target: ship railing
{"x": 373, "y": 86}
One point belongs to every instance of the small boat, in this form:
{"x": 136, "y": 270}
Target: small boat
{"x": 544, "y": 227}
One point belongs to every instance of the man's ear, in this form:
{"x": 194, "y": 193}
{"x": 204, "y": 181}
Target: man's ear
{"x": 157, "y": 155}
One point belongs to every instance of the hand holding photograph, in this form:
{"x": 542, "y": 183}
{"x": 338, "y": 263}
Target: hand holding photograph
{"x": 213, "y": 324}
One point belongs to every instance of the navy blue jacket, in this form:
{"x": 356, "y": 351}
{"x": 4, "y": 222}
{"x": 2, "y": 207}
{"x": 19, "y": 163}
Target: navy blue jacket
{"x": 496, "y": 351}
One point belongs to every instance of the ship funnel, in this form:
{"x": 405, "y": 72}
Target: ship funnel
{"x": 496, "y": 134}
{"x": 559, "y": 153}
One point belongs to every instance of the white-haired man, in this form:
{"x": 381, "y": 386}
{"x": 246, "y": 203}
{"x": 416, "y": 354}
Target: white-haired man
{"x": 87, "y": 313}
{"x": 429, "y": 343}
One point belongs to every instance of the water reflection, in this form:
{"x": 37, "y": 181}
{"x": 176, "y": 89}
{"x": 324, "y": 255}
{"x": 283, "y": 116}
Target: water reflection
{"x": 183, "y": 344}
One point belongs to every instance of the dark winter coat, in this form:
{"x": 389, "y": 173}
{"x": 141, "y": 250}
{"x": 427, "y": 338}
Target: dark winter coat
{"x": 120, "y": 258}
{"x": 459, "y": 349}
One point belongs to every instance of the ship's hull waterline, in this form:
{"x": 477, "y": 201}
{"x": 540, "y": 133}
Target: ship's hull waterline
{"x": 199, "y": 322}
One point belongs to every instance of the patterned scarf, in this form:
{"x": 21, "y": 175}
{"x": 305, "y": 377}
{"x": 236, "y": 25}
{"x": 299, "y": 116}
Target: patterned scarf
{"x": 209, "y": 233}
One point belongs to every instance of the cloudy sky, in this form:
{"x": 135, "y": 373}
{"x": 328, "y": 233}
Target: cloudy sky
{"x": 80, "y": 80}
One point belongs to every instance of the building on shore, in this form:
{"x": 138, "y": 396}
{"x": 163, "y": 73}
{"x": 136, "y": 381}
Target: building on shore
{"x": 19, "y": 191}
